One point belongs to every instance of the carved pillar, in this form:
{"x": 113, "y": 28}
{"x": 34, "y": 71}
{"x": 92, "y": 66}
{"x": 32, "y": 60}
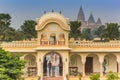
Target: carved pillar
{"x": 39, "y": 65}
{"x": 101, "y": 58}
{"x": 118, "y": 62}
{"x": 83, "y": 58}
{"x": 65, "y": 65}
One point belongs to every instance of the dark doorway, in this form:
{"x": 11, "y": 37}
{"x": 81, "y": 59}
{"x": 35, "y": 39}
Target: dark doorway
{"x": 89, "y": 65}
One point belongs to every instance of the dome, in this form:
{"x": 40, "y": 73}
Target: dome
{"x": 52, "y": 17}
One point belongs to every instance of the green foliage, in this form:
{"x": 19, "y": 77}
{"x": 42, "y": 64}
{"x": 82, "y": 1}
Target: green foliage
{"x": 86, "y": 34}
{"x": 112, "y": 31}
{"x": 5, "y": 20}
{"x": 74, "y": 32}
{"x": 95, "y": 77}
{"x": 28, "y": 29}
{"x": 7, "y": 33}
{"x": 10, "y": 66}
{"x": 101, "y": 32}
{"x": 112, "y": 76}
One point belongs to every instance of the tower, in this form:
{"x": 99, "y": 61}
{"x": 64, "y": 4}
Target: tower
{"x": 91, "y": 21}
{"x": 99, "y": 23}
{"x": 81, "y": 16}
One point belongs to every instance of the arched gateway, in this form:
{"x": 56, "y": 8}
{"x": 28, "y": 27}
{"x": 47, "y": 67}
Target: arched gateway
{"x": 52, "y": 65}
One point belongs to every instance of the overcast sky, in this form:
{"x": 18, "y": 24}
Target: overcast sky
{"x": 20, "y": 10}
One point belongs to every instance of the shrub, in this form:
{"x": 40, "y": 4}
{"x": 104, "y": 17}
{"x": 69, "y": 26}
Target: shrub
{"x": 112, "y": 76}
{"x": 95, "y": 77}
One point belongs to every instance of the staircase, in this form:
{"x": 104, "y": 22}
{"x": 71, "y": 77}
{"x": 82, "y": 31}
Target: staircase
{"x": 53, "y": 78}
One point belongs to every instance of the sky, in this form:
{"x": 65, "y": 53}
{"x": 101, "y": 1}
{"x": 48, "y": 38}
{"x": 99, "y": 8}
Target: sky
{"x": 21, "y": 10}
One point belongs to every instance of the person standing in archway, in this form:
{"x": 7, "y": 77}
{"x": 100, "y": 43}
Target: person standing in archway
{"x": 49, "y": 66}
{"x": 104, "y": 66}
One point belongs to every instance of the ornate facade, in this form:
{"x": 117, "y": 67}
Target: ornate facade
{"x": 52, "y": 54}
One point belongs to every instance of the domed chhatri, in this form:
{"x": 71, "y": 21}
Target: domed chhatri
{"x": 52, "y": 17}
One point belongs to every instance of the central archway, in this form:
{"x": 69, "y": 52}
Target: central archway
{"x": 52, "y": 65}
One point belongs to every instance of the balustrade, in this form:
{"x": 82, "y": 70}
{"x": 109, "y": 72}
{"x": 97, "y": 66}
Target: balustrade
{"x": 52, "y": 43}
{"x": 90, "y": 44}
{"x": 19, "y": 44}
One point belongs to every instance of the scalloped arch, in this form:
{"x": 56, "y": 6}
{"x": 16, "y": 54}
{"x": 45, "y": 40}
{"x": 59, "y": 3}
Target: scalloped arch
{"x": 51, "y": 20}
{"x": 53, "y": 17}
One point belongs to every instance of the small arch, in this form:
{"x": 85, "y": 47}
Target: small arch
{"x": 61, "y": 39}
{"x": 31, "y": 60}
{"x": 43, "y": 39}
{"x": 110, "y": 63}
{"x": 52, "y": 39}
{"x": 31, "y": 69}
{"x": 75, "y": 64}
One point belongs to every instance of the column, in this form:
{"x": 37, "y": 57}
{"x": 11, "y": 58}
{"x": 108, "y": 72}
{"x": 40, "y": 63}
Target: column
{"x": 101, "y": 69}
{"x": 83, "y": 57}
{"x": 118, "y": 62}
{"x": 39, "y": 65}
{"x": 118, "y": 67}
{"x": 65, "y": 68}
{"x": 101, "y": 58}
{"x": 83, "y": 70}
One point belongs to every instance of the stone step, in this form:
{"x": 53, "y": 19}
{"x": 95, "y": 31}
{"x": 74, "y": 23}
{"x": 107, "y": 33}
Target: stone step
{"x": 53, "y": 78}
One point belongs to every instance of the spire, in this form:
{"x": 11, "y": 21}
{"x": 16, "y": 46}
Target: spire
{"x": 81, "y": 16}
{"x": 91, "y": 19}
{"x": 99, "y": 22}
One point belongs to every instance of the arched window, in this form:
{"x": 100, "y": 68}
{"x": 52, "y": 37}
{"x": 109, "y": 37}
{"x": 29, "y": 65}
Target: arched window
{"x": 61, "y": 39}
{"x": 31, "y": 65}
{"x": 52, "y": 39}
{"x": 44, "y": 39}
{"x": 31, "y": 60}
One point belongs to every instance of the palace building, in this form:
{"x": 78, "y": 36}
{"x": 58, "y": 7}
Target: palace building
{"x": 52, "y": 56}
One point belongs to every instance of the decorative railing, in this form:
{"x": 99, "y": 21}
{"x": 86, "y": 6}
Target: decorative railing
{"x": 44, "y": 43}
{"x": 19, "y": 44}
{"x": 79, "y": 44}
{"x": 91, "y": 44}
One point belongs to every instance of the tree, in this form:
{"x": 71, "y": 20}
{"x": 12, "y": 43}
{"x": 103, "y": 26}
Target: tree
{"x": 5, "y": 21}
{"x": 10, "y": 66}
{"x": 74, "y": 32}
{"x": 101, "y": 32}
{"x": 112, "y": 31}
{"x": 86, "y": 34}
{"x": 28, "y": 29}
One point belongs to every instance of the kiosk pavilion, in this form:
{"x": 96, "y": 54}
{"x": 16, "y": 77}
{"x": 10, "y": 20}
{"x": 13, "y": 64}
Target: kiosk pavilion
{"x": 53, "y": 56}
